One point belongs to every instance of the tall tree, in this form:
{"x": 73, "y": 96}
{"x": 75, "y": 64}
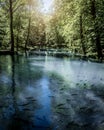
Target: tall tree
{"x": 81, "y": 35}
{"x": 11, "y": 24}
{"x": 96, "y": 30}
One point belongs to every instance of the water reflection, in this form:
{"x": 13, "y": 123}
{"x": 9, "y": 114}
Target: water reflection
{"x": 39, "y": 93}
{"x": 24, "y": 96}
{"x": 76, "y": 71}
{"x": 42, "y": 115}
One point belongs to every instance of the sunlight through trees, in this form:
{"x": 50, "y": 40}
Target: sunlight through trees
{"x": 60, "y": 24}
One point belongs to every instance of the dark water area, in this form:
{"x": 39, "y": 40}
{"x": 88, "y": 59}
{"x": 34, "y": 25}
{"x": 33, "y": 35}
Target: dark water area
{"x": 48, "y": 93}
{"x": 24, "y": 95}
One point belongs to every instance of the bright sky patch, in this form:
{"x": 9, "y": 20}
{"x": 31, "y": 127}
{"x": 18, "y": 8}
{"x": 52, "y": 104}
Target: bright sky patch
{"x": 47, "y": 6}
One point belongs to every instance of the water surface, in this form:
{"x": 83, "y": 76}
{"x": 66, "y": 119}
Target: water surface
{"x": 33, "y": 89}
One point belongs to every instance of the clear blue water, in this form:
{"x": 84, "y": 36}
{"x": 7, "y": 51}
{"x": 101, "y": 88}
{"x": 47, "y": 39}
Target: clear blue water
{"x": 25, "y": 101}
{"x": 25, "y": 94}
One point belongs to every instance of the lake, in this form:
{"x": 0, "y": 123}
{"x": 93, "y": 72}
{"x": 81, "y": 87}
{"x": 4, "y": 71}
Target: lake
{"x": 49, "y": 93}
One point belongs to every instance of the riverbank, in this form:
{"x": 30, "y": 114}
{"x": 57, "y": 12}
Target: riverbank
{"x": 54, "y": 54}
{"x": 7, "y": 52}
{"x": 66, "y": 55}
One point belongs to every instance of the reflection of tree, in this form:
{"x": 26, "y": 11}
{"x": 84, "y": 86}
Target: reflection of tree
{"x": 13, "y": 74}
{"x": 22, "y": 110}
{"x": 18, "y": 113}
{"x": 16, "y": 118}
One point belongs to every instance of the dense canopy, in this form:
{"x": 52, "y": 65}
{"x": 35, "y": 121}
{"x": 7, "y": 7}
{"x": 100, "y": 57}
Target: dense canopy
{"x": 73, "y": 25}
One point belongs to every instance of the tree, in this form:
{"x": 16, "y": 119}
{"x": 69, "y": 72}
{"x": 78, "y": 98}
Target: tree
{"x": 96, "y": 29}
{"x": 11, "y": 24}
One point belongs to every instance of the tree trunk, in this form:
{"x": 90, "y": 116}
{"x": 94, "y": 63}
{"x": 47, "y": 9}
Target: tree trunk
{"x": 11, "y": 25}
{"x": 18, "y": 30}
{"x": 28, "y": 35}
{"x": 17, "y": 40}
{"x": 96, "y": 31}
{"x": 81, "y": 36}
{"x": 98, "y": 46}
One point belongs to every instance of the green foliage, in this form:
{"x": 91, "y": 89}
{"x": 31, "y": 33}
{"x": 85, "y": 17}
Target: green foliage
{"x": 75, "y": 25}
{"x": 66, "y": 21}
{"x": 23, "y": 10}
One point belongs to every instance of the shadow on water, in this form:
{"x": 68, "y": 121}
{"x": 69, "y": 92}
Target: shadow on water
{"x": 24, "y": 96}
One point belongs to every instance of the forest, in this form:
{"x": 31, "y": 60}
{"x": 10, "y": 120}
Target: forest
{"x": 51, "y": 64}
{"x": 75, "y": 26}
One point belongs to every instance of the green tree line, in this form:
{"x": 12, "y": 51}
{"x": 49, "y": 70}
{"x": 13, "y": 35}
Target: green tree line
{"x": 21, "y": 25}
{"x": 77, "y": 26}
